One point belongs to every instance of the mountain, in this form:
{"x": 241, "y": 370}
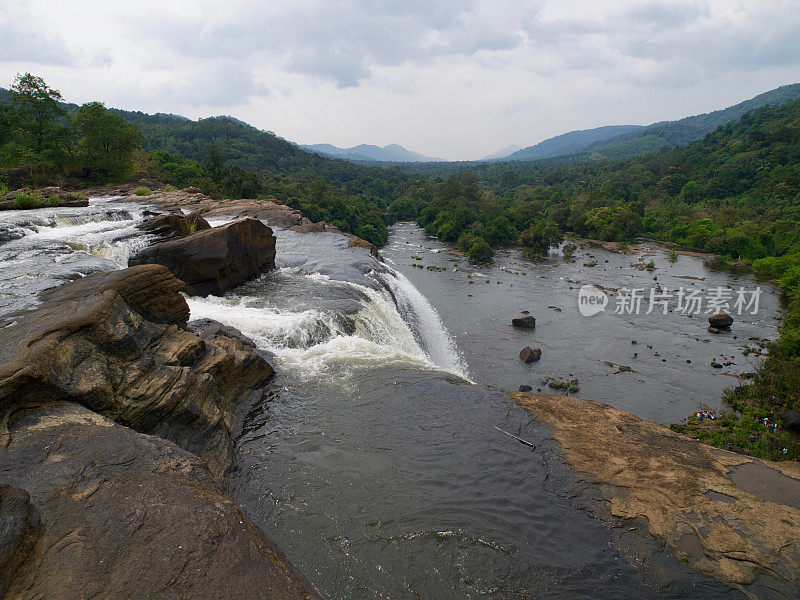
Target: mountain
{"x": 631, "y": 140}
{"x": 370, "y": 153}
{"x": 502, "y": 153}
{"x": 570, "y": 143}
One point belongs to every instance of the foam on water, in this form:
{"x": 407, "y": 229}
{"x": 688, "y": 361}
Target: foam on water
{"x": 312, "y": 342}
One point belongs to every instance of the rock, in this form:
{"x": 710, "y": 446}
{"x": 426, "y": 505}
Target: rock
{"x": 687, "y": 493}
{"x": 720, "y": 321}
{"x": 529, "y": 355}
{"x": 215, "y": 260}
{"x": 47, "y": 197}
{"x": 714, "y": 330}
{"x": 524, "y": 322}
{"x": 715, "y": 364}
{"x": 174, "y": 226}
{"x": 20, "y": 527}
{"x": 117, "y": 343}
{"x": 525, "y": 388}
{"x": 526, "y": 312}
{"x": 791, "y": 420}
{"x": 127, "y": 515}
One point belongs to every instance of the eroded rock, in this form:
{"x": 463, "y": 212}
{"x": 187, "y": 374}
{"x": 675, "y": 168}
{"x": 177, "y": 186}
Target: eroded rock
{"x": 215, "y": 260}
{"x": 526, "y": 322}
{"x": 686, "y": 492}
{"x": 117, "y": 343}
{"x": 127, "y": 515}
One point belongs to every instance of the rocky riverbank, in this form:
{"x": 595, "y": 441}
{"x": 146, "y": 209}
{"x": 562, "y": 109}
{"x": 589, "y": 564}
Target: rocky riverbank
{"x": 115, "y": 420}
{"x": 729, "y": 516}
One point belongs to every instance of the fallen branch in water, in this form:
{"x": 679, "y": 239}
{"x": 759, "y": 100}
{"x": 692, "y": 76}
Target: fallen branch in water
{"x": 519, "y": 439}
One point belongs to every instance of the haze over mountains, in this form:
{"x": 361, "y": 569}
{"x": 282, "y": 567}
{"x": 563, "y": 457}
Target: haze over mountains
{"x": 371, "y": 153}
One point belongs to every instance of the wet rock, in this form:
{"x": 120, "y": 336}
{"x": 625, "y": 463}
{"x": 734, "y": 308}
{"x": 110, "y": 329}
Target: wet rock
{"x": 791, "y": 420}
{"x": 529, "y": 355}
{"x": 525, "y": 388}
{"x": 117, "y": 343}
{"x": 20, "y": 526}
{"x": 175, "y": 226}
{"x": 215, "y": 260}
{"x": 127, "y": 515}
{"x": 524, "y": 322}
{"x": 714, "y": 330}
{"x": 715, "y": 364}
{"x": 720, "y": 321}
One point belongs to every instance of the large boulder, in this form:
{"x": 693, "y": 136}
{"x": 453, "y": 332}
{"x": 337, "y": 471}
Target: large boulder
{"x": 118, "y": 343}
{"x": 172, "y": 226}
{"x": 126, "y": 515}
{"x": 720, "y": 321}
{"x": 215, "y": 260}
{"x": 526, "y": 322}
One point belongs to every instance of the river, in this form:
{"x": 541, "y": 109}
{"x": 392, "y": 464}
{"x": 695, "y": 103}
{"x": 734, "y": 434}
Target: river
{"x": 372, "y": 461}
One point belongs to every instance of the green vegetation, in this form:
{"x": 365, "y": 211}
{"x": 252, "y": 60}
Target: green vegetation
{"x": 142, "y": 191}
{"x": 42, "y": 143}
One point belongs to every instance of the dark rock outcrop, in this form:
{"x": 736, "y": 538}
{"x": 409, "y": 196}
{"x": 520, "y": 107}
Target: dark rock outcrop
{"x": 172, "y": 226}
{"x": 524, "y": 322}
{"x": 529, "y": 355}
{"x": 791, "y": 420}
{"x": 720, "y": 321}
{"x": 215, "y": 260}
{"x": 126, "y": 515}
{"x": 117, "y": 343}
{"x": 525, "y": 388}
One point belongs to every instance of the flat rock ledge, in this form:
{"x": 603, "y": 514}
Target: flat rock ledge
{"x": 115, "y": 441}
{"x": 272, "y": 211}
{"x": 729, "y": 516}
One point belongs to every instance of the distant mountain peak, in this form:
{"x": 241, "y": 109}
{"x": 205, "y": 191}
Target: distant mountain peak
{"x": 371, "y": 153}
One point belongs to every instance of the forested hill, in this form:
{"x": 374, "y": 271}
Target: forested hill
{"x": 627, "y": 141}
{"x": 686, "y": 130}
{"x": 570, "y": 143}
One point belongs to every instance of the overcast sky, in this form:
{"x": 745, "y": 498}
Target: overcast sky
{"x": 455, "y": 79}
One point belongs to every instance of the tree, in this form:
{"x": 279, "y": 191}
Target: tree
{"x": 107, "y": 141}
{"x": 35, "y": 106}
{"x": 537, "y": 239}
{"x": 480, "y": 252}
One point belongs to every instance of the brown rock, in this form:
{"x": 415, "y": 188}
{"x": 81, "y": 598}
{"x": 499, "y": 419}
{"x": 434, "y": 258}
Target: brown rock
{"x": 529, "y": 355}
{"x": 175, "y": 226}
{"x": 720, "y": 321}
{"x": 738, "y": 530}
{"x": 127, "y": 515}
{"x": 215, "y": 260}
{"x": 116, "y": 343}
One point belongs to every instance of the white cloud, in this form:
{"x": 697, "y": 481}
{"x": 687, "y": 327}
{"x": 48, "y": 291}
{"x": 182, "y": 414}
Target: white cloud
{"x": 451, "y": 78}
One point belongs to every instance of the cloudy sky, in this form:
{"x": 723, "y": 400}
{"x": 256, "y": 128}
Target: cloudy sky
{"x": 456, "y": 79}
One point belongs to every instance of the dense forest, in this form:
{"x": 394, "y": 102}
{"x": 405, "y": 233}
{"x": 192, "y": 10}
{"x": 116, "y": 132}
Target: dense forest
{"x": 735, "y": 193}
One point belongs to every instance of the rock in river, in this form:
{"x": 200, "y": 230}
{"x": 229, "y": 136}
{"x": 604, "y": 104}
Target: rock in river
{"x": 215, "y": 260}
{"x": 720, "y": 321}
{"x": 529, "y": 355}
{"x": 524, "y": 322}
{"x": 171, "y": 226}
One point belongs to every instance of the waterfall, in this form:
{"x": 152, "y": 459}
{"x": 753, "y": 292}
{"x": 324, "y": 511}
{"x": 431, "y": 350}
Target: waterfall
{"x": 425, "y": 323}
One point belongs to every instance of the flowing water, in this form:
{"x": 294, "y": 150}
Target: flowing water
{"x": 373, "y": 462}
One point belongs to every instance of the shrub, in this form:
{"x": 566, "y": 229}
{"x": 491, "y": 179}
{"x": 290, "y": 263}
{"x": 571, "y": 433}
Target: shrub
{"x": 480, "y": 252}
{"x": 142, "y": 191}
